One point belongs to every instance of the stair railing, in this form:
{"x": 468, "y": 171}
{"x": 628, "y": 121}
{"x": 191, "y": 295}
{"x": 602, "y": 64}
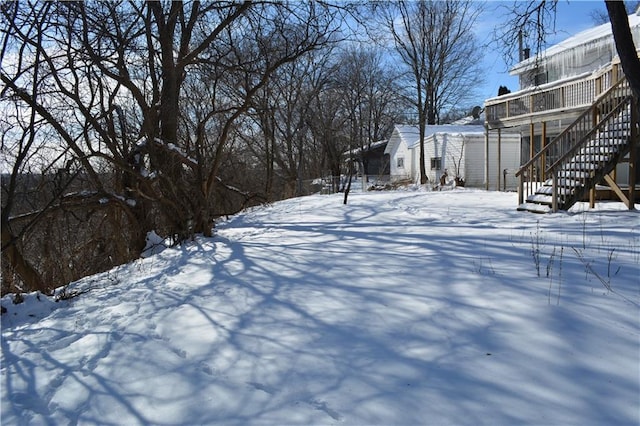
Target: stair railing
{"x": 602, "y": 142}
{"x": 532, "y": 175}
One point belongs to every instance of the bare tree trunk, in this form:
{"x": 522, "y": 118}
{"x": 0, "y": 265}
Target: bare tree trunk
{"x": 624, "y": 43}
{"x": 348, "y": 188}
{"x": 27, "y": 273}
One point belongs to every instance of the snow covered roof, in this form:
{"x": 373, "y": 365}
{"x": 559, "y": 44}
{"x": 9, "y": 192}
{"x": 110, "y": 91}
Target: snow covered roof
{"x": 601, "y": 33}
{"x": 411, "y": 134}
{"x": 470, "y": 119}
{"x": 402, "y": 133}
{"x": 479, "y": 131}
{"x": 456, "y": 130}
{"x": 370, "y": 147}
{"x": 448, "y": 129}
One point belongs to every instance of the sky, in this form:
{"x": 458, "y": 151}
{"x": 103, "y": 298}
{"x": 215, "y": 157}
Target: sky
{"x": 572, "y": 17}
{"x": 403, "y": 307}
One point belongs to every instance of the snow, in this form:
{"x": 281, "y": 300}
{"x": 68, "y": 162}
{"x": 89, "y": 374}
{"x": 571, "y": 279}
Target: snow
{"x": 173, "y": 147}
{"x": 411, "y": 134}
{"x": 588, "y": 49}
{"x": 154, "y": 244}
{"x": 596, "y": 36}
{"x": 403, "y": 307}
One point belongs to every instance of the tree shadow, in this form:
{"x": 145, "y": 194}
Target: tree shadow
{"x": 423, "y": 319}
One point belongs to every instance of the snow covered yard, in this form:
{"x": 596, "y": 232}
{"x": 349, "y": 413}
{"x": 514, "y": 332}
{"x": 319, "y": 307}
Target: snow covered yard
{"x": 399, "y": 308}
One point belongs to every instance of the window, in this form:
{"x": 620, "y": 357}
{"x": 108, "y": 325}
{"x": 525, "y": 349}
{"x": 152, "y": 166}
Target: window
{"x": 400, "y": 162}
{"x": 540, "y": 78}
{"x": 436, "y": 163}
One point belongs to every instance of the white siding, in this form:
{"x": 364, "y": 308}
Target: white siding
{"x": 430, "y": 148}
{"x": 453, "y": 151}
{"x": 399, "y": 151}
{"x": 474, "y": 162}
{"x": 622, "y": 172}
{"x": 510, "y": 160}
{"x": 469, "y": 149}
{"x": 415, "y": 164}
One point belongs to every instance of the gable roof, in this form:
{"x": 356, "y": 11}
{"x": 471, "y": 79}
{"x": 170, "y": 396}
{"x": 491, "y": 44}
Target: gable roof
{"x": 461, "y": 130}
{"x": 410, "y": 135}
{"x": 402, "y": 133}
{"x": 371, "y": 147}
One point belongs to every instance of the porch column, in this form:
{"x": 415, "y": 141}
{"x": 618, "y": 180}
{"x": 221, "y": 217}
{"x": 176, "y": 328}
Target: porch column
{"x": 499, "y": 158}
{"x": 486, "y": 158}
{"x": 532, "y": 152}
{"x": 543, "y": 143}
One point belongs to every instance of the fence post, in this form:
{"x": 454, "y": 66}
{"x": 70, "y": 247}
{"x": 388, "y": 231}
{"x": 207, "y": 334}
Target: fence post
{"x": 521, "y": 188}
{"x": 504, "y": 180}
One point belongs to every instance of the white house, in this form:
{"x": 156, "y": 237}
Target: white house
{"x": 397, "y": 148}
{"x": 404, "y": 139}
{"x": 464, "y": 154}
{"x": 462, "y": 150}
{"x": 573, "y": 98}
{"x": 586, "y": 52}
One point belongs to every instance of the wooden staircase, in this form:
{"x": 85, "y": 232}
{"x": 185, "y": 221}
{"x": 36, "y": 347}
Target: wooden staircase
{"x": 584, "y": 155}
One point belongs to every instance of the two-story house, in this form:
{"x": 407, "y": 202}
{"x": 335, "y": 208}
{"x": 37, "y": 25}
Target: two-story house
{"x": 576, "y": 115}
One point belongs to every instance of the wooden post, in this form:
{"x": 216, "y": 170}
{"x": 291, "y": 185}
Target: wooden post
{"x": 595, "y": 118}
{"x": 521, "y": 188}
{"x": 532, "y": 152}
{"x": 499, "y": 158}
{"x": 633, "y": 154}
{"x": 486, "y": 158}
{"x": 554, "y": 192}
{"x": 543, "y": 143}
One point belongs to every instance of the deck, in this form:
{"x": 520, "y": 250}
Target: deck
{"x": 558, "y": 100}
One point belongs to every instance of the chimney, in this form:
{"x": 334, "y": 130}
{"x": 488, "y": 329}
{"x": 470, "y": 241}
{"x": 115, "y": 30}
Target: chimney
{"x": 520, "y": 56}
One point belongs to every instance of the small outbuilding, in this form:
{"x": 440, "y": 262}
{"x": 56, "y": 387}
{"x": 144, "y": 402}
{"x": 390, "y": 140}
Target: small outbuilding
{"x": 466, "y": 157}
{"x": 463, "y": 151}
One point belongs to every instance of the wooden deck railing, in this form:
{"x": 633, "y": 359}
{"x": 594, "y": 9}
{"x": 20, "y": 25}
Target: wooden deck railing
{"x": 548, "y": 162}
{"x": 566, "y": 95}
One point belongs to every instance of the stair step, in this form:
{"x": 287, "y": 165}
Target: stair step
{"x": 608, "y": 143}
{"x": 563, "y": 182}
{"x": 620, "y": 125}
{"x": 579, "y": 166}
{"x": 593, "y": 157}
{"x": 597, "y": 149}
{"x": 534, "y": 208}
{"x": 540, "y": 198}
{"x": 612, "y": 134}
{"x": 625, "y": 116}
{"x": 574, "y": 175}
{"x": 562, "y": 189}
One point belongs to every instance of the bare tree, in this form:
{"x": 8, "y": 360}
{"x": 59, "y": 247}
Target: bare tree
{"x": 434, "y": 40}
{"x": 600, "y": 16}
{"x": 282, "y": 111}
{"x": 110, "y": 81}
{"x": 19, "y": 144}
{"x": 624, "y": 44}
{"x": 372, "y": 97}
{"x": 329, "y": 128}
